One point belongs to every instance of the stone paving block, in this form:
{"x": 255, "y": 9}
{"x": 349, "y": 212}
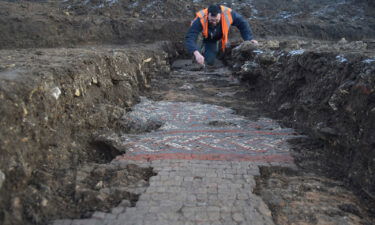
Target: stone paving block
{"x": 188, "y": 178}
{"x": 117, "y": 210}
{"x": 212, "y": 190}
{"x": 201, "y": 216}
{"x": 174, "y": 189}
{"x": 156, "y": 222}
{"x": 185, "y": 222}
{"x": 189, "y": 212}
{"x": 168, "y": 216}
{"x": 144, "y": 207}
{"x": 131, "y": 210}
{"x": 154, "y": 178}
{"x": 62, "y": 222}
{"x": 156, "y": 183}
{"x": 226, "y": 209}
{"x": 213, "y": 208}
{"x": 99, "y": 215}
{"x": 87, "y": 222}
{"x": 213, "y": 216}
{"x": 228, "y": 175}
{"x": 213, "y": 201}
{"x": 226, "y": 216}
{"x": 238, "y": 217}
{"x": 150, "y": 215}
{"x": 169, "y": 205}
{"x": 203, "y": 223}
{"x": 242, "y": 196}
{"x": 154, "y": 203}
{"x": 228, "y": 196}
{"x": 216, "y": 223}
{"x": 122, "y": 217}
{"x": 231, "y": 223}
{"x": 110, "y": 216}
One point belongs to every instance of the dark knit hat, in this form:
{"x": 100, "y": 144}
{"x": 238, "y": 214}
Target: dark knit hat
{"x": 214, "y": 10}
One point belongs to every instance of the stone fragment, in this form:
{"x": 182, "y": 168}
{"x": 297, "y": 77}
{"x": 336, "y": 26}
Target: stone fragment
{"x": 238, "y": 217}
{"x": 266, "y": 59}
{"x": 272, "y": 44}
{"x": 147, "y": 60}
{"x": 125, "y": 203}
{"x": 117, "y": 210}
{"x": 285, "y": 106}
{"x": 62, "y": 222}
{"x": 186, "y": 87}
{"x": 77, "y": 92}
{"x": 56, "y": 92}
{"x": 94, "y": 80}
{"x": 2, "y": 178}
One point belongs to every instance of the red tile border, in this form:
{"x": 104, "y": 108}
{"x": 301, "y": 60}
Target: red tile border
{"x": 222, "y": 157}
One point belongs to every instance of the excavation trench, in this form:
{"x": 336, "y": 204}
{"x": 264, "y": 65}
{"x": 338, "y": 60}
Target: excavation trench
{"x": 78, "y": 114}
{"x": 66, "y": 113}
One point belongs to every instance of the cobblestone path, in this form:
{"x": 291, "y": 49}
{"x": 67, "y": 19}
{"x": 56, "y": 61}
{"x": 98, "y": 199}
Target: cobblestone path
{"x": 205, "y": 157}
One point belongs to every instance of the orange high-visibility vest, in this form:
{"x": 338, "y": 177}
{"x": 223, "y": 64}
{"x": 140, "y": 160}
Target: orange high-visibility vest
{"x": 226, "y": 22}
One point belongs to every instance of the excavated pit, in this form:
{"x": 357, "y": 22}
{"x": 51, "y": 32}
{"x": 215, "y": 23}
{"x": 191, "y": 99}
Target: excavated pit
{"x": 62, "y": 109}
{"x": 99, "y": 119}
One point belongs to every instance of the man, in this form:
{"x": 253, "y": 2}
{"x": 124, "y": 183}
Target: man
{"x": 214, "y": 22}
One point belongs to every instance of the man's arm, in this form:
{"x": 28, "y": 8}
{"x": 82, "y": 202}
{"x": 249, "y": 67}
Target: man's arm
{"x": 191, "y": 40}
{"x": 192, "y": 35}
{"x": 244, "y": 27}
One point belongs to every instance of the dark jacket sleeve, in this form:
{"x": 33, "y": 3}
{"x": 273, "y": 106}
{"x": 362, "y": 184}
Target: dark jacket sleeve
{"x": 192, "y": 35}
{"x": 242, "y": 24}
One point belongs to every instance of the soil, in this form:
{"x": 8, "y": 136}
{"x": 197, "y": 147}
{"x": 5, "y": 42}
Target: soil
{"x": 65, "y": 83}
{"x": 43, "y": 23}
{"x": 55, "y": 105}
{"x": 325, "y": 91}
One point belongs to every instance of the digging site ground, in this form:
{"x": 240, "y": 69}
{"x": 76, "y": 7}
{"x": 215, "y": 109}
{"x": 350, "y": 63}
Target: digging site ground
{"x": 105, "y": 119}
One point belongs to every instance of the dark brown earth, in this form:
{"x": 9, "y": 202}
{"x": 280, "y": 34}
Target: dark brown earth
{"x": 43, "y": 23}
{"x": 57, "y": 102}
{"x": 55, "y": 105}
{"x": 326, "y": 91}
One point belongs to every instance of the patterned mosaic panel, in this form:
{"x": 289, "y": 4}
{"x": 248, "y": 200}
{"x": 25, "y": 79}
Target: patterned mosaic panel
{"x": 202, "y": 131}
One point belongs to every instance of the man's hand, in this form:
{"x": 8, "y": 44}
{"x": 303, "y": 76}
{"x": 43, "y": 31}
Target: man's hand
{"x": 255, "y": 42}
{"x": 199, "y": 57}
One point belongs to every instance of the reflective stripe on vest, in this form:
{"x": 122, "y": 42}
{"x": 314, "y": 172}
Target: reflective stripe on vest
{"x": 226, "y": 22}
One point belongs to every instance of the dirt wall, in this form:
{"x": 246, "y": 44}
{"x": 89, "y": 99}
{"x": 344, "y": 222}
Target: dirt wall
{"x": 327, "y": 90}
{"x": 26, "y": 24}
{"x": 53, "y": 101}
{"x": 33, "y": 25}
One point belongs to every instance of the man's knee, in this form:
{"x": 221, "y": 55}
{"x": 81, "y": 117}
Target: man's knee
{"x": 210, "y": 60}
{"x": 210, "y": 56}
{"x": 211, "y": 51}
